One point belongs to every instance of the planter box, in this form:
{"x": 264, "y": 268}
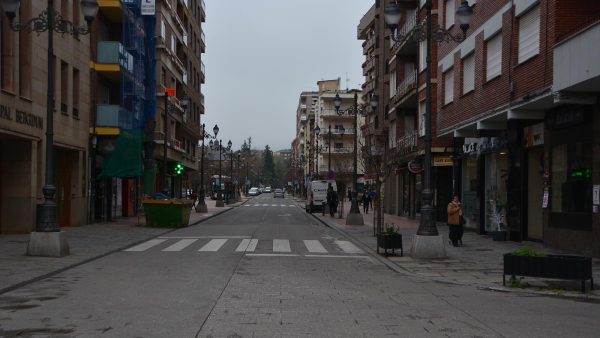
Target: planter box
{"x": 167, "y": 213}
{"x": 551, "y": 266}
{"x": 390, "y": 241}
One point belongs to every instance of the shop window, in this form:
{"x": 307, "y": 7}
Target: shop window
{"x": 572, "y": 177}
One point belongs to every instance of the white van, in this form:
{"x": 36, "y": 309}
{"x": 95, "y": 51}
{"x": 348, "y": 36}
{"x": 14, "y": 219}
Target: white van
{"x": 317, "y": 194}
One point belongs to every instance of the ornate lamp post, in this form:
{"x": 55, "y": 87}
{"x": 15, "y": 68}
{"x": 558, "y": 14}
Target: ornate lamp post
{"x": 47, "y": 240}
{"x": 354, "y": 216}
{"x": 329, "y": 173}
{"x": 427, "y": 243}
{"x": 219, "y": 145}
{"x": 229, "y": 196}
{"x": 202, "y": 204}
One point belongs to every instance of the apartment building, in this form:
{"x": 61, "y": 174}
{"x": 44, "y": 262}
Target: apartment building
{"x": 23, "y": 121}
{"x": 179, "y": 72}
{"x": 520, "y": 95}
{"x": 305, "y": 121}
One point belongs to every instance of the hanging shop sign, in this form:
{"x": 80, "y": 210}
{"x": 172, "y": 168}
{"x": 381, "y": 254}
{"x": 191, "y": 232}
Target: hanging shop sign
{"x": 148, "y": 7}
{"x": 533, "y": 135}
{"x": 442, "y": 161}
{"x": 415, "y": 166}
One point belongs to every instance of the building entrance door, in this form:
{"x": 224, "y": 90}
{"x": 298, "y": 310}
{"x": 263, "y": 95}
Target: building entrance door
{"x": 535, "y": 192}
{"x": 63, "y": 171}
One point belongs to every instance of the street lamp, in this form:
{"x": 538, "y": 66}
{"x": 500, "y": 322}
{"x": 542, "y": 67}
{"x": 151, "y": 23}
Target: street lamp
{"x": 354, "y": 216}
{"x": 423, "y": 246}
{"x": 219, "y": 145}
{"x": 49, "y": 20}
{"x": 230, "y": 189}
{"x": 317, "y": 132}
{"x": 202, "y": 204}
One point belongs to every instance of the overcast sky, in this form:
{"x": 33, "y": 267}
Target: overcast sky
{"x": 261, "y": 54}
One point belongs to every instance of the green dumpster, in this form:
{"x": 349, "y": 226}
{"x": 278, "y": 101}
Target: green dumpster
{"x": 167, "y": 213}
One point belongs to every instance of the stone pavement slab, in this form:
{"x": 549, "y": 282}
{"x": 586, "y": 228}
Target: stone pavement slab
{"x": 478, "y": 263}
{"x": 86, "y": 242}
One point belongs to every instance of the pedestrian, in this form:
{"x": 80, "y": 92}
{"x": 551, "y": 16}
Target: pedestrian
{"x": 455, "y": 221}
{"x": 365, "y": 202}
{"x": 371, "y": 196}
{"x": 332, "y": 200}
{"x": 194, "y": 197}
{"x": 349, "y": 195}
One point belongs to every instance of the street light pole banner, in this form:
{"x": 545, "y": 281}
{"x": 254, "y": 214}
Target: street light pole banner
{"x": 148, "y": 7}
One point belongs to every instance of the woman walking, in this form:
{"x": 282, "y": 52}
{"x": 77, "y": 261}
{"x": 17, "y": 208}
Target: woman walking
{"x": 455, "y": 217}
{"x": 365, "y": 201}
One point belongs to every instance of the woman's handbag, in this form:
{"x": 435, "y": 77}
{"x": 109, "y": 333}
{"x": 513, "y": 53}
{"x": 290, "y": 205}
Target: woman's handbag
{"x": 461, "y": 220}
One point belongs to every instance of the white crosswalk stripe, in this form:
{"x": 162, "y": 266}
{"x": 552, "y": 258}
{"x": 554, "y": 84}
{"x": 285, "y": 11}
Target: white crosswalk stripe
{"x": 146, "y": 245}
{"x": 213, "y": 245}
{"x": 181, "y": 244}
{"x": 348, "y": 247}
{"x": 247, "y": 245}
{"x": 281, "y": 245}
{"x": 314, "y": 246}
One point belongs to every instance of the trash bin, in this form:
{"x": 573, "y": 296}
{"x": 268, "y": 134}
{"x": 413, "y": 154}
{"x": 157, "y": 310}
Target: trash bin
{"x": 167, "y": 213}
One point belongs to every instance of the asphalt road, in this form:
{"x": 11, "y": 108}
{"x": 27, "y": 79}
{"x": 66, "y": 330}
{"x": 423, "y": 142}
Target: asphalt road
{"x": 267, "y": 269}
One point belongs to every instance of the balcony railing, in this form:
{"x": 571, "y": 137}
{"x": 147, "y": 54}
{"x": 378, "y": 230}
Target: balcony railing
{"x": 113, "y": 52}
{"x": 115, "y": 116}
{"x": 369, "y": 44}
{"x": 409, "y": 83}
{"x": 369, "y": 65}
{"x": 408, "y": 143}
{"x": 411, "y": 21}
{"x": 202, "y": 69}
{"x": 330, "y": 113}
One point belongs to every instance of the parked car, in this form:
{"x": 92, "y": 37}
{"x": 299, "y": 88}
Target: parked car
{"x": 268, "y": 190}
{"x": 253, "y": 191}
{"x": 278, "y": 193}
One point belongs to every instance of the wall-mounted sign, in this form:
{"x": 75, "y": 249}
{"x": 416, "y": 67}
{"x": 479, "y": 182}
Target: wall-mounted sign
{"x": 148, "y": 7}
{"x": 545, "y": 198}
{"x": 170, "y": 91}
{"x": 533, "y": 135}
{"x": 442, "y": 161}
{"x": 20, "y": 117}
{"x": 483, "y": 145}
{"x": 415, "y": 166}
{"x": 596, "y": 195}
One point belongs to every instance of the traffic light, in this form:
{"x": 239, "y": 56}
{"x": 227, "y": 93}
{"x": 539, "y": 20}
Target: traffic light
{"x": 178, "y": 169}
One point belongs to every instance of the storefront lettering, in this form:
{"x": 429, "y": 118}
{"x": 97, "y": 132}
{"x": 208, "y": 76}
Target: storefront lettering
{"x": 21, "y": 117}
{"x": 5, "y": 113}
{"x": 29, "y": 119}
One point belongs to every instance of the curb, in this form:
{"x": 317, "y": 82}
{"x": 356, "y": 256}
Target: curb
{"x": 91, "y": 259}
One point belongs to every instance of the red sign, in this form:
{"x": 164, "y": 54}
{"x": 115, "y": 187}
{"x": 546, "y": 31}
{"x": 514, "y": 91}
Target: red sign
{"x": 170, "y": 91}
{"x": 415, "y": 166}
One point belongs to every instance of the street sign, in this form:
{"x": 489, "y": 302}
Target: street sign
{"x": 415, "y": 166}
{"x": 148, "y": 7}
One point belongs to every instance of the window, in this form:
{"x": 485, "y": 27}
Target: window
{"x": 469, "y": 73}
{"x": 75, "y": 93}
{"x": 422, "y": 55}
{"x": 392, "y": 135}
{"x": 64, "y": 86}
{"x": 163, "y": 29}
{"x": 494, "y": 57}
{"x": 422, "y": 113}
{"x": 449, "y": 86}
{"x": 76, "y": 13}
{"x": 393, "y": 83}
{"x": 450, "y": 12}
{"x": 529, "y": 34}
{"x": 25, "y": 54}
{"x": 8, "y": 57}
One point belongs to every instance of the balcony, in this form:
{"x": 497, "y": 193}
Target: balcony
{"x": 113, "y": 116}
{"x": 331, "y": 114}
{"x": 111, "y": 9}
{"x": 202, "y": 72}
{"x": 406, "y": 87}
{"x": 303, "y": 118}
{"x": 202, "y": 41}
{"x": 369, "y": 44}
{"x": 201, "y": 103}
{"x": 202, "y": 11}
{"x": 407, "y": 46}
{"x": 408, "y": 143}
{"x": 368, "y": 65}
{"x": 111, "y": 58}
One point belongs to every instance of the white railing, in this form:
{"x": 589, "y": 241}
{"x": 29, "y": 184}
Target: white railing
{"x": 408, "y": 143}
{"x": 407, "y": 84}
{"x": 411, "y": 21}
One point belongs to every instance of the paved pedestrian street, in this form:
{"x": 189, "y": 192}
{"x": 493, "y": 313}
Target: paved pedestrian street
{"x": 270, "y": 272}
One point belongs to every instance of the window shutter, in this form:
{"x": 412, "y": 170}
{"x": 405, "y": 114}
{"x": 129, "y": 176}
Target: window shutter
{"x": 422, "y": 55}
{"x": 450, "y": 12}
{"x": 393, "y": 83}
{"x": 529, "y": 34}
{"x": 392, "y": 135}
{"x": 422, "y": 111}
{"x": 449, "y": 86}
{"x": 494, "y": 57}
{"x": 468, "y": 73}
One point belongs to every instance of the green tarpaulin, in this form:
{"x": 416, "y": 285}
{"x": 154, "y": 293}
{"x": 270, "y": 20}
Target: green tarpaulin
{"x": 126, "y": 158}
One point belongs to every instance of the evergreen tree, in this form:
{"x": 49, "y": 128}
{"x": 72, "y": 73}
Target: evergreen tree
{"x": 269, "y": 165}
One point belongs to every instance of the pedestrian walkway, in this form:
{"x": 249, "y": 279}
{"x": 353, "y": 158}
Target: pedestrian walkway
{"x": 86, "y": 242}
{"x": 246, "y": 244}
{"x": 478, "y": 263}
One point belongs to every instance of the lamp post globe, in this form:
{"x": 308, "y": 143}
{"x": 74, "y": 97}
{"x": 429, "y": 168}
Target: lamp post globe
{"x": 10, "y": 7}
{"x": 89, "y": 9}
{"x": 337, "y": 101}
{"x": 374, "y": 101}
{"x": 392, "y": 15}
{"x": 464, "y": 14}
{"x": 215, "y": 130}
